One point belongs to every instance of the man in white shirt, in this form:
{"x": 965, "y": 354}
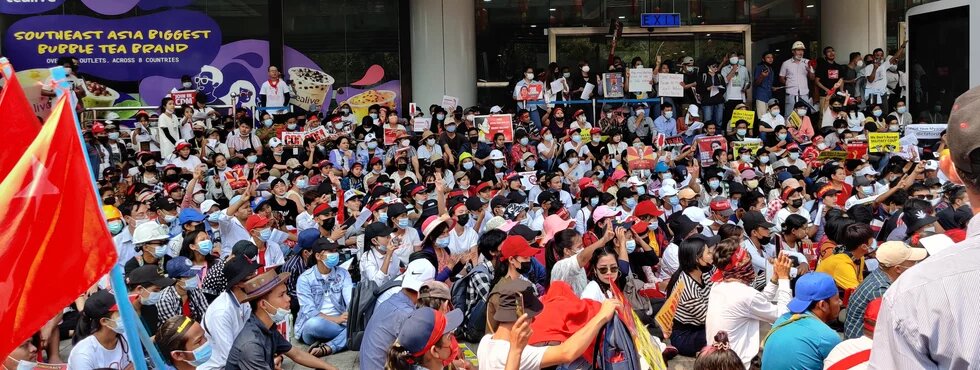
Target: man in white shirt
{"x": 226, "y": 316}
{"x": 795, "y": 74}
{"x": 274, "y": 93}
{"x": 876, "y": 89}
{"x": 268, "y": 240}
{"x": 231, "y": 221}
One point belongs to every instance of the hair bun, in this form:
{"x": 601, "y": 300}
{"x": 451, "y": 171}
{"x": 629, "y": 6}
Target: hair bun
{"x": 721, "y": 338}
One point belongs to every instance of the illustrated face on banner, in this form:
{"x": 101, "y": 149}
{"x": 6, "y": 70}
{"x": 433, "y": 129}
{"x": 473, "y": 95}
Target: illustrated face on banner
{"x": 244, "y": 91}
{"x": 208, "y": 80}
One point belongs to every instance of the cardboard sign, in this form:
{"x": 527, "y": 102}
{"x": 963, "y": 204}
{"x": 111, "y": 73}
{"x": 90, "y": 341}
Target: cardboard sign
{"x": 669, "y": 84}
{"x": 502, "y": 123}
{"x": 449, "y": 103}
{"x": 183, "y": 97}
{"x": 884, "y": 142}
{"x": 857, "y": 150}
{"x": 640, "y": 79}
{"x": 835, "y": 155}
{"x": 612, "y": 85}
{"x": 390, "y": 135}
{"x": 707, "y": 146}
{"x": 292, "y": 139}
{"x": 752, "y": 144}
{"x": 925, "y": 131}
{"x": 318, "y": 134}
{"x": 665, "y": 317}
{"x": 531, "y": 91}
{"x": 528, "y": 179}
{"x": 642, "y": 159}
{"x": 236, "y": 178}
{"x": 421, "y": 124}
{"x": 741, "y": 114}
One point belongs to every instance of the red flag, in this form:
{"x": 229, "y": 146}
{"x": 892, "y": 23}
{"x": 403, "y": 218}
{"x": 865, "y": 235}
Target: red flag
{"x": 54, "y": 242}
{"x": 20, "y": 125}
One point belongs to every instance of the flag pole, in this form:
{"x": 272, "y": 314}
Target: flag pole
{"x": 131, "y": 324}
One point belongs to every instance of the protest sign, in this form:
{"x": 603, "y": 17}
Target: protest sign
{"x": 531, "y": 91}
{"x": 586, "y": 135}
{"x": 236, "y": 177}
{"x": 640, "y": 79}
{"x": 925, "y": 131}
{"x": 449, "y": 103}
{"x": 857, "y": 149}
{"x": 884, "y": 142}
{"x": 558, "y": 85}
{"x": 752, "y": 143}
{"x": 528, "y": 179}
{"x": 390, "y": 135}
{"x": 612, "y": 85}
{"x": 669, "y": 84}
{"x": 502, "y": 123}
{"x": 421, "y": 124}
{"x": 835, "y": 155}
{"x": 587, "y": 91}
{"x": 673, "y": 142}
{"x": 318, "y": 134}
{"x": 292, "y": 139}
{"x": 665, "y": 317}
{"x": 412, "y": 109}
{"x": 742, "y": 114}
{"x": 707, "y": 146}
{"x": 183, "y": 97}
{"x": 642, "y": 159}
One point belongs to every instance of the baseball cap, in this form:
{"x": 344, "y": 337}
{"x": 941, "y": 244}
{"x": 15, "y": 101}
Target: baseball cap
{"x": 681, "y": 225}
{"x": 722, "y": 206}
{"x": 255, "y": 221}
{"x": 871, "y": 313}
{"x": 696, "y": 214}
{"x": 510, "y": 293}
{"x": 375, "y": 230}
{"x": 189, "y": 215}
{"x": 238, "y": 269}
{"x": 525, "y": 232}
{"x": 396, "y": 209}
{"x": 245, "y": 248}
{"x": 516, "y": 246}
{"x": 180, "y": 267}
{"x": 473, "y": 204}
{"x": 753, "y": 220}
{"x": 207, "y": 204}
{"x": 100, "y": 304}
{"x": 428, "y": 327}
{"x": 963, "y": 131}
{"x": 894, "y": 253}
{"x": 434, "y": 289}
{"x": 602, "y": 212}
{"x": 324, "y": 244}
{"x": 812, "y": 287}
{"x": 647, "y": 208}
{"x": 418, "y": 272}
{"x": 306, "y": 238}
{"x": 686, "y": 193}
{"x": 148, "y": 275}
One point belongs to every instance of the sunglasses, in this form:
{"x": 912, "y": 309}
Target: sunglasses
{"x": 608, "y": 269}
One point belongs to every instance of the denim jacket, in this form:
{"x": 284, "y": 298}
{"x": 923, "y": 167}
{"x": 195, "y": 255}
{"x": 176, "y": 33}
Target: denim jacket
{"x": 311, "y": 289}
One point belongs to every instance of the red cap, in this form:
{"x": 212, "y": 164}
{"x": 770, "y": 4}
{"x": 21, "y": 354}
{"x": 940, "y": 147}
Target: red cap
{"x": 641, "y": 227}
{"x": 171, "y": 187}
{"x": 720, "y": 205}
{"x": 457, "y": 193}
{"x": 320, "y": 208}
{"x": 512, "y": 176}
{"x": 482, "y": 185}
{"x": 182, "y": 145}
{"x": 417, "y": 189}
{"x": 516, "y": 246}
{"x": 578, "y": 113}
{"x": 324, "y": 163}
{"x": 335, "y": 118}
{"x": 98, "y": 128}
{"x": 312, "y": 118}
{"x": 377, "y": 204}
{"x": 647, "y": 208}
{"x": 375, "y": 160}
{"x": 871, "y": 313}
{"x": 617, "y": 174}
{"x": 255, "y": 221}
{"x": 595, "y": 130}
{"x": 584, "y": 183}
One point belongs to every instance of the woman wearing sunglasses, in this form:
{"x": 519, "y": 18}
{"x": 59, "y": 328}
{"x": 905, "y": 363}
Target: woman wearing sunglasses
{"x": 606, "y": 267}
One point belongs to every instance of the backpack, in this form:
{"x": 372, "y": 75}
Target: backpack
{"x": 474, "y": 318}
{"x": 362, "y": 304}
{"x": 615, "y": 349}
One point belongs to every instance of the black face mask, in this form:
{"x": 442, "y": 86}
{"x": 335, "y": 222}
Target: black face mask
{"x": 110, "y": 201}
{"x": 463, "y": 219}
{"x": 474, "y": 139}
{"x": 525, "y": 268}
{"x": 705, "y": 268}
{"x": 766, "y": 240}
{"x": 797, "y": 203}
{"x": 836, "y": 109}
{"x": 402, "y": 166}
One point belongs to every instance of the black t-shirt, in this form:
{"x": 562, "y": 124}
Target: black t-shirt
{"x": 287, "y": 210}
{"x": 830, "y": 72}
{"x": 455, "y": 143}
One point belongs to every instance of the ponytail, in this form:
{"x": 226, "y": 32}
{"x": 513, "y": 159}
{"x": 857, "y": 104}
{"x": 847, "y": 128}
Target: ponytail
{"x": 400, "y": 359}
{"x": 86, "y": 326}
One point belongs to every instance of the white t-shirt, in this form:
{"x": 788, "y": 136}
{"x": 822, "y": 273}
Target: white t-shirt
{"x": 594, "y": 292}
{"x": 784, "y": 213}
{"x": 459, "y": 244}
{"x": 493, "y": 354}
{"x": 738, "y": 309}
{"x": 90, "y": 354}
{"x": 848, "y": 348}
{"x": 188, "y": 164}
{"x": 880, "y": 83}
{"x": 275, "y": 97}
{"x": 569, "y": 271}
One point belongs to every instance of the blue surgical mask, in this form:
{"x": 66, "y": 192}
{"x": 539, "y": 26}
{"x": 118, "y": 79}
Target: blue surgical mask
{"x": 440, "y": 116}
{"x": 192, "y": 283}
{"x": 332, "y": 260}
{"x": 404, "y": 223}
{"x": 630, "y": 203}
{"x": 467, "y": 166}
{"x": 794, "y": 155}
{"x": 115, "y": 227}
{"x": 205, "y": 246}
{"x": 265, "y": 234}
{"x": 630, "y": 246}
{"x": 201, "y": 355}
{"x": 653, "y": 225}
{"x": 901, "y": 110}
{"x": 152, "y": 299}
{"x": 383, "y": 217}
{"x": 741, "y": 132}
{"x": 442, "y": 242}
{"x": 641, "y": 190}
{"x": 498, "y": 163}
{"x": 674, "y": 200}
{"x": 373, "y": 115}
{"x": 669, "y": 114}
{"x": 159, "y": 251}
{"x": 781, "y": 136}
{"x": 876, "y": 112}
{"x": 523, "y": 141}
{"x": 372, "y": 145}
{"x": 714, "y": 184}
{"x": 302, "y": 183}
{"x": 214, "y": 216}
{"x": 594, "y": 201}
{"x": 267, "y": 122}
{"x": 451, "y": 128}
{"x": 280, "y": 316}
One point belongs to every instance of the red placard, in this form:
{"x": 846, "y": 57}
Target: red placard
{"x": 857, "y": 150}
{"x": 642, "y": 159}
{"x": 236, "y": 178}
{"x": 318, "y": 134}
{"x": 390, "y": 135}
{"x": 502, "y": 123}
{"x": 183, "y": 97}
{"x": 292, "y": 139}
{"x": 707, "y": 146}
{"x": 532, "y": 91}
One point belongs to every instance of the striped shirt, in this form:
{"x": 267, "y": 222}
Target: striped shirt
{"x": 929, "y": 318}
{"x": 693, "y": 304}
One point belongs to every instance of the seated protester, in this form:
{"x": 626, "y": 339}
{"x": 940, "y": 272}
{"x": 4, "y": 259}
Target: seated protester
{"x": 565, "y": 255}
{"x": 605, "y": 266}
{"x": 846, "y": 265}
{"x": 694, "y": 275}
{"x": 642, "y": 257}
{"x": 151, "y": 239}
{"x": 215, "y": 282}
{"x": 184, "y": 298}
{"x": 538, "y": 274}
{"x": 226, "y": 316}
{"x": 478, "y": 283}
{"x": 801, "y": 338}
{"x": 405, "y": 237}
{"x": 894, "y": 258}
{"x": 324, "y": 292}
{"x": 462, "y": 238}
{"x": 259, "y": 342}
{"x": 283, "y": 209}
{"x": 492, "y": 350}
{"x": 148, "y": 283}
{"x": 297, "y": 262}
{"x": 792, "y": 195}
{"x": 798, "y": 123}
{"x": 377, "y": 261}
{"x": 24, "y": 354}
{"x": 918, "y": 217}
{"x": 232, "y": 221}
{"x": 737, "y": 308}
{"x": 769, "y": 122}
{"x": 682, "y": 228}
{"x": 386, "y": 321}
{"x": 182, "y": 343}
{"x": 98, "y": 341}
{"x": 718, "y": 355}
{"x": 794, "y": 240}
{"x": 268, "y": 242}
{"x": 777, "y": 142}
{"x": 855, "y": 353}
{"x": 426, "y": 344}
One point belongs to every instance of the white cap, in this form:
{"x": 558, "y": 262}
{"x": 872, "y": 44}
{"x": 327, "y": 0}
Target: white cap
{"x": 696, "y": 214}
{"x": 370, "y": 137}
{"x": 687, "y": 60}
{"x": 693, "y": 110}
{"x": 635, "y": 181}
{"x": 417, "y": 273}
{"x": 798, "y": 45}
{"x": 496, "y": 109}
{"x": 854, "y": 201}
{"x": 496, "y": 154}
{"x": 274, "y": 142}
{"x": 667, "y": 191}
{"x": 867, "y": 170}
{"x": 150, "y": 231}
{"x": 207, "y": 204}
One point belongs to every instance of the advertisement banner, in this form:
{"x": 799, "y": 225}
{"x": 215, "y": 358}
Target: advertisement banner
{"x": 707, "y": 146}
{"x": 884, "y": 142}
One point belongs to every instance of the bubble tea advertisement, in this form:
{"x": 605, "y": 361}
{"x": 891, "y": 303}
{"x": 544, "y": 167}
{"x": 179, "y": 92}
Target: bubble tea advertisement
{"x": 135, "y": 61}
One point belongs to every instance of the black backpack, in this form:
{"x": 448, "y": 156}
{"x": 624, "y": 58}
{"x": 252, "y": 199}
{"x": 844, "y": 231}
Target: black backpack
{"x": 362, "y": 303}
{"x": 474, "y": 318}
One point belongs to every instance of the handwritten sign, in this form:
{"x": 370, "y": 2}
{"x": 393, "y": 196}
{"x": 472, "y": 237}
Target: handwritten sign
{"x": 531, "y": 91}
{"x": 318, "y": 134}
{"x": 884, "y": 142}
{"x": 612, "y": 85}
{"x": 641, "y": 79}
{"x": 528, "y": 179}
{"x": 449, "y": 103}
{"x": 421, "y": 124}
{"x": 707, "y": 146}
{"x": 183, "y": 97}
{"x": 640, "y": 159}
{"x": 742, "y": 114}
{"x": 502, "y": 123}
{"x": 925, "y": 131}
{"x": 665, "y": 317}
{"x": 832, "y": 155}
{"x": 292, "y": 139}
{"x": 670, "y": 85}
{"x": 586, "y": 135}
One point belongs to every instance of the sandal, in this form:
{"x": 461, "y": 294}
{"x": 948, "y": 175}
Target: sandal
{"x": 320, "y": 350}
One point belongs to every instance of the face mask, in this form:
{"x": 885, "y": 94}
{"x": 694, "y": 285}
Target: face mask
{"x": 630, "y": 203}
{"x": 442, "y": 242}
{"x": 566, "y": 75}
{"x": 467, "y": 166}
{"x": 531, "y": 163}
{"x": 192, "y": 283}
{"x": 794, "y": 155}
{"x": 205, "y": 246}
{"x": 383, "y": 217}
{"x": 199, "y": 198}
{"x": 821, "y": 146}
{"x": 668, "y": 114}
{"x": 265, "y": 234}
{"x": 372, "y": 145}
{"x": 766, "y": 240}
{"x": 528, "y": 75}
{"x": 440, "y": 116}
{"x": 525, "y": 268}
{"x": 859, "y": 63}
{"x": 585, "y": 69}
{"x": 115, "y": 227}
{"x": 201, "y": 355}
{"x": 117, "y": 326}
{"x": 463, "y": 219}
{"x": 404, "y": 223}
{"x": 774, "y": 112}
{"x": 251, "y": 159}
{"x": 764, "y": 159}
{"x": 840, "y": 131}
{"x": 746, "y": 158}
{"x": 267, "y": 122}
{"x": 733, "y": 60}
{"x": 801, "y": 112}
{"x": 373, "y": 115}
{"x": 876, "y": 113}
{"x": 608, "y": 114}
{"x": 279, "y": 317}
{"x": 868, "y": 190}
{"x": 402, "y": 166}
{"x": 901, "y": 110}
{"x": 152, "y": 299}
{"x": 187, "y": 85}
{"x": 169, "y": 218}
{"x": 451, "y": 128}
{"x": 741, "y": 132}
{"x": 151, "y": 181}
{"x": 498, "y": 163}
{"x": 797, "y": 203}
{"x": 405, "y": 142}
{"x": 752, "y": 184}
{"x": 345, "y": 111}
{"x": 523, "y": 141}
{"x": 935, "y": 201}
{"x": 630, "y": 246}
{"x": 741, "y": 62}
{"x": 469, "y": 117}
{"x": 572, "y": 161}
{"x": 332, "y": 260}
{"x": 548, "y": 137}
{"x": 577, "y": 138}
{"x": 674, "y": 201}
{"x": 594, "y": 201}
{"x": 668, "y": 176}
{"x": 714, "y": 184}
{"x": 113, "y": 136}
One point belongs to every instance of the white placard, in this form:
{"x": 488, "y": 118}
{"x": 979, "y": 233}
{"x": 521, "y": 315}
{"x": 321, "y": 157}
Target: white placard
{"x": 670, "y": 85}
{"x": 449, "y": 103}
{"x": 587, "y": 91}
{"x": 925, "y": 131}
{"x": 422, "y": 124}
{"x": 640, "y": 79}
{"x": 558, "y": 85}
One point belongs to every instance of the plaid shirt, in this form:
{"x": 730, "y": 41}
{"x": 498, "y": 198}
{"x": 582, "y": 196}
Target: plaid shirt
{"x": 171, "y": 305}
{"x": 872, "y": 287}
{"x": 479, "y": 286}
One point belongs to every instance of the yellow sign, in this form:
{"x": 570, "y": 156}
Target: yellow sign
{"x": 665, "y": 317}
{"x": 741, "y": 114}
{"x": 586, "y": 135}
{"x": 752, "y": 145}
{"x": 884, "y": 142}
{"x": 837, "y": 155}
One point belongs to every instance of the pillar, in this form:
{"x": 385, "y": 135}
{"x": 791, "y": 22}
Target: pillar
{"x": 852, "y": 26}
{"x": 443, "y": 35}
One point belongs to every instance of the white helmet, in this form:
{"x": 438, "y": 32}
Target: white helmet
{"x": 496, "y": 154}
{"x": 148, "y": 232}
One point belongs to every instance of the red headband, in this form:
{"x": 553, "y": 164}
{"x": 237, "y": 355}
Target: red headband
{"x": 732, "y": 263}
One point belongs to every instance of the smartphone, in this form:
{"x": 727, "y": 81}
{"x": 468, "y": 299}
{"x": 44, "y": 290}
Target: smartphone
{"x": 520, "y": 305}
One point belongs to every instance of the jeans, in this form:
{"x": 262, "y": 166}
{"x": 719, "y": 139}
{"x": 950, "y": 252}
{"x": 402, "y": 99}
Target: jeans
{"x": 318, "y": 329}
{"x": 713, "y": 113}
{"x": 536, "y": 117}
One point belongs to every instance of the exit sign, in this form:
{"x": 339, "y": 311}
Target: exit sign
{"x": 652, "y": 20}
